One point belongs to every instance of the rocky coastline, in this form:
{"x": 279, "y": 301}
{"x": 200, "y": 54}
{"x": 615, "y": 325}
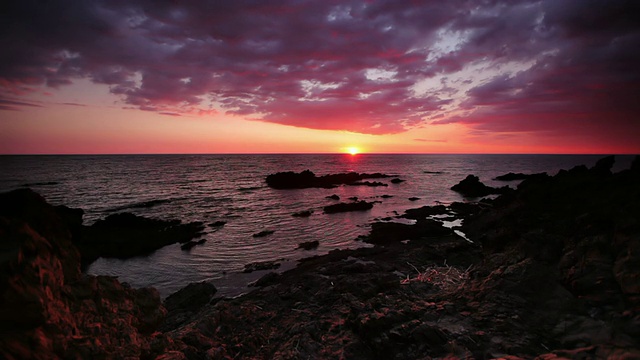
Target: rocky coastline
{"x": 551, "y": 272}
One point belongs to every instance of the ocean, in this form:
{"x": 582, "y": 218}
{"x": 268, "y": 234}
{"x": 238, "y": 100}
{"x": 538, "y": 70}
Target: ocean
{"x": 232, "y": 188}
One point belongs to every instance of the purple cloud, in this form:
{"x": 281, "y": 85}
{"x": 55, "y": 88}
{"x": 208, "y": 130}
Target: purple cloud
{"x": 370, "y": 67}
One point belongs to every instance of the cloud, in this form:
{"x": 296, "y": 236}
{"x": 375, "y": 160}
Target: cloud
{"x": 14, "y": 105}
{"x": 370, "y": 67}
{"x": 431, "y": 140}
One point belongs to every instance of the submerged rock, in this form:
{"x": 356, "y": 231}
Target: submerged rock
{"x": 345, "y": 207}
{"x": 397, "y": 181}
{"x": 333, "y": 197}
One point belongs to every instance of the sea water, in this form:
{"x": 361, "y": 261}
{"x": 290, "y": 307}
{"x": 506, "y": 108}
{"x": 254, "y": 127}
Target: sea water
{"x": 232, "y": 188}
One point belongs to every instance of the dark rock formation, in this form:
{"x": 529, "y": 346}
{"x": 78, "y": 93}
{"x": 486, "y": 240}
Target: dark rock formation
{"x": 126, "y": 235}
{"x": 49, "y": 309}
{"x": 309, "y": 245}
{"x": 344, "y": 207}
{"x": 333, "y": 197}
{"x": 367, "y": 183}
{"x": 217, "y": 224}
{"x": 517, "y": 176}
{"x": 472, "y": 187}
{"x": 263, "y": 233}
{"x": 305, "y": 213}
{"x": 397, "y": 181}
{"x": 307, "y": 179}
{"x": 390, "y": 232}
{"x": 413, "y": 198}
{"x": 424, "y": 212}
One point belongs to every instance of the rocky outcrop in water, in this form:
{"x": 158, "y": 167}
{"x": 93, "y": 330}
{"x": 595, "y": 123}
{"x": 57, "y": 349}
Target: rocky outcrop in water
{"x": 125, "y": 235}
{"x": 472, "y": 187}
{"x": 307, "y": 179}
{"x": 518, "y": 176}
{"x": 346, "y": 207}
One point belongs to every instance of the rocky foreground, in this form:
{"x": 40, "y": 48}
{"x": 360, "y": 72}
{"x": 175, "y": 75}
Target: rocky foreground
{"x": 553, "y": 273}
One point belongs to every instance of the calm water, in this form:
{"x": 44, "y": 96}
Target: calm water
{"x": 231, "y": 188}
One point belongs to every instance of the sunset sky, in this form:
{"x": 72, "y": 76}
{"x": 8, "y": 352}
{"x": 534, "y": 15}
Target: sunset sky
{"x": 432, "y": 76}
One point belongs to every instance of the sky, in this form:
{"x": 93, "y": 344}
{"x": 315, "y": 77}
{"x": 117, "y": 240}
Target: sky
{"x": 296, "y": 76}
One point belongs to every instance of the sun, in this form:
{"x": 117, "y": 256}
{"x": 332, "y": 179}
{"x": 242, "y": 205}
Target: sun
{"x": 353, "y": 150}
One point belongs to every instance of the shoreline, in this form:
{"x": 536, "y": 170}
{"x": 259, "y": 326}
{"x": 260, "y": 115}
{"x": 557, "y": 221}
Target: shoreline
{"x": 551, "y": 273}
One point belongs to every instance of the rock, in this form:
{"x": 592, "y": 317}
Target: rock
{"x": 472, "y": 187}
{"x": 386, "y": 196}
{"x": 261, "y": 265}
{"x": 603, "y": 166}
{"x": 305, "y": 213}
{"x": 333, "y": 197}
{"x": 191, "y": 297}
{"x": 185, "y": 303}
{"x": 345, "y": 207}
{"x": 190, "y": 244}
{"x": 263, "y": 233}
{"x": 49, "y": 309}
{"x": 353, "y": 198}
{"x": 414, "y": 198}
{"x": 217, "y": 224}
{"x": 517, "y": 176}
{"x": 367, "y": 183}
{"x": 424, "y": 212}
{"x": 307, "y": 179}
{"x": 126, "y": 235}
{"x": 309, "y": 245}
{"x": 390, "y": 232}
{"x": 397, "y": 181}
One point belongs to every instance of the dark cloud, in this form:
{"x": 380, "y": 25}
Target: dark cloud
{"x": 558, "y": 66}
